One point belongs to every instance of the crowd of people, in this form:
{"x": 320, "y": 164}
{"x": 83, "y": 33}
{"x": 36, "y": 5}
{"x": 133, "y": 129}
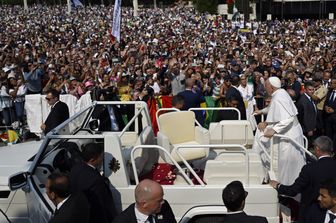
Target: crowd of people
{"x": 159, "y": 50}
{"x": 177, "y": 52}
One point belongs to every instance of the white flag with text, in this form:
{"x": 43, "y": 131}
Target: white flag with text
{"x": 116, "y": 20}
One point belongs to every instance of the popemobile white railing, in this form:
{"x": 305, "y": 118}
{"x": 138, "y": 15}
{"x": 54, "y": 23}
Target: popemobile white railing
{"x": 160, "y": 110}
{"x": 185, "y": 162}
{"x": 215, "y": 109}
{"x": 296, "y": 144}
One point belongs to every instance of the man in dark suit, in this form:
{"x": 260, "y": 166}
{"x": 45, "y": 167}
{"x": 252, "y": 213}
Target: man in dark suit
{"x": 228, "y": 114}
{"x": 326, "y": 210}
{"x": 149, "y": 206}
{"x": 69, "y": 208}
{"x": 311, "y": 176}
{"x": 232, "y": 91}
{"x": 330, "y": 111}
{"x": 193, "y": 99}
{"x": 85, "y": 177}
{"x": 307, "y": 112}
{"x": 59, "y": 111}
{"x": 234, "y": 197}
{"x": 110, "y": 116}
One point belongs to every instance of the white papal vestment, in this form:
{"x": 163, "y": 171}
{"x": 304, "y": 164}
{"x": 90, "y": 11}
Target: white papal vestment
{"x": 281, "y": 116}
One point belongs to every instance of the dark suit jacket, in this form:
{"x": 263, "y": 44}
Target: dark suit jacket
{"x": 193, "y": 100}
{"x": 166, "y": 215}
{"x": 75, "y": 210}
{"x": 101, "y": 112}
{"x": 306, "y": 114}
{"x": 308, "y": 182}
{"x": 234, "y": 92}
{"x": 315, "y": 214}
{"x": 330, "y": 103}
{"x": 242, "y": 217}
{"x": 226, "y": 115}
{"x": 58, "y": 114}
{"x": 83, "y": 178}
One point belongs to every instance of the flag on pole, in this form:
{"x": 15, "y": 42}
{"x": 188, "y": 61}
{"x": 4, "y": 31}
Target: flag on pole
{"x": 116, "y": 20}
{"x": 76, "y": 3}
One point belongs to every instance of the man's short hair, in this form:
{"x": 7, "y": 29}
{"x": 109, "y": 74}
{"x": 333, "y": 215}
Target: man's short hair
{"x": 55, "y": 93}
{"x": 235, "y": 80}
{"x": 330, "y": 186}
{"x": 308, "y": 84}
{"x": 233, "y": 195}
{"x": 92, "y": 151}
{"x": 324, "y": 143}
{"x": 59, "y": 184}
{"x": 177, "y": 99}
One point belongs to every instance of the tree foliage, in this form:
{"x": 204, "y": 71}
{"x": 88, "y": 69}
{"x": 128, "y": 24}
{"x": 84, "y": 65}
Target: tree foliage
{"x": 206, "y": 5}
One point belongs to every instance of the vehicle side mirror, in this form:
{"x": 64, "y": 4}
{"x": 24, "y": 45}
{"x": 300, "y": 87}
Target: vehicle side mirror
{"x": 94, "y": 124}
{"x": 18, "y": 180}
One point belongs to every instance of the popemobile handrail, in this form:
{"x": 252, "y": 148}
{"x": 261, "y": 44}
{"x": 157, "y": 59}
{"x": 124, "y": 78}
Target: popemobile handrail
{"x": 178, "y": 148}
{"x": 215, "y": 108}
{"x": 297, "y": 145}
{"x": 159, "y": 148}
{"x": 218, "y": 146}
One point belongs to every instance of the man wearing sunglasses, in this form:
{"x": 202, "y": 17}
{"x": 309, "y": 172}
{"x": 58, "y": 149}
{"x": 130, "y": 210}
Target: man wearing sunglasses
{"x": 59, "y": 111}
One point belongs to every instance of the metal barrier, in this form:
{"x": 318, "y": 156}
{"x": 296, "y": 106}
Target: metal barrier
{"x": 214, "y": 109}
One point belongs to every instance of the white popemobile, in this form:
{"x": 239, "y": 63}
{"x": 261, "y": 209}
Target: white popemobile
{"x": 222, "y": 154}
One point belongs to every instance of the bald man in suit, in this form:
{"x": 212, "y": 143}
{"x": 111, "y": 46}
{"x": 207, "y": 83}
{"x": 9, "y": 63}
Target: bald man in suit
{"x": 149, "y": 206}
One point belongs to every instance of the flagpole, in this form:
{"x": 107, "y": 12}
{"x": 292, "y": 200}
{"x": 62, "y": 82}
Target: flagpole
{"x": 25, "y": 5}
{"x": 69, "y": 6}
{"x": 135, "y": 7}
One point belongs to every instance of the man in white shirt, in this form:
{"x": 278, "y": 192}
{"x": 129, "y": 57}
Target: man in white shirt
{"x": 281, "y": 119}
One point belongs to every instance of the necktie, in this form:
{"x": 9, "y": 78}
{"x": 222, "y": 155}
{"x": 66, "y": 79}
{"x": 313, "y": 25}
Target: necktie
{"x": 332, "y": 218}
{"x": 56, "y": 212}
{"x": 313, "y": 104}
{"x": 331, "y": 99}
{"x": 150, "y": 219}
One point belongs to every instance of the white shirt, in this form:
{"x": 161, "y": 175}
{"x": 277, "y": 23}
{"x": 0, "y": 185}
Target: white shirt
{"x": 327, "y": 218}
{"x": 21, "y": 92}
{"x": 114, "y": 124}
{"x": 141, "y": 218}
{"x": 323, "y": 156}
{"x": 311, "y": 100}
{"x": 246, "y": 92}
{"x": 54, "y": 104}
{"x": 235, "y": 212}
{"x": 59, "y": 205}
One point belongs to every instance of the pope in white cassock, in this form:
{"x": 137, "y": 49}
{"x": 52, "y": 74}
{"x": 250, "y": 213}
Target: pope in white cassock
{"x": 281, "y": 119}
